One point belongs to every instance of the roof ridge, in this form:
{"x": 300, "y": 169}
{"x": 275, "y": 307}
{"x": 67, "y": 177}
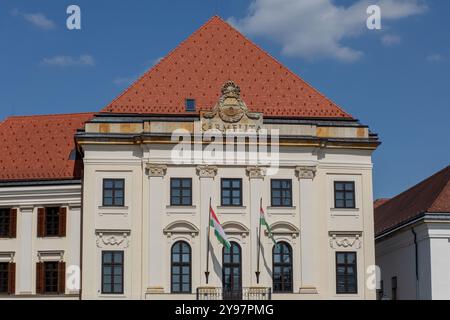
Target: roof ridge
{"x": 170, "y": 53}
{"x": 419, "y": 184}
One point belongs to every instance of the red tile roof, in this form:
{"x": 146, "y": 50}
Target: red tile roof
{"x": 379, "y": 202}
{"x": 201, "y": 64}
{"x": 39, "y": 147}
{"x": 431, "y": 195}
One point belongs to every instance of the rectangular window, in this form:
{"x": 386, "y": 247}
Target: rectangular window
{"x": 281, "y": 192}
{"x": 112, "y": 272}
{"x": 113, "y": 192}
{"x": 231, "y": 192}
{"x": 52, "y": 221}
{"x": 346, "y": 278}
{"x": 4, "y": 222}
{"x": 344, "y": 194}
{"x": 51, "y": 276}
{"x": 394, "y": 288}
{"x": 4, "y": 277}
{"x": 190, "y": 105}
{"x": 180, "y": 191}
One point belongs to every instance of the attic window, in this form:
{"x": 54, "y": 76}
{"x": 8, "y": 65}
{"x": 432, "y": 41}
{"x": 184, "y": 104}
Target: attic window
{"x": 190, "y": 105}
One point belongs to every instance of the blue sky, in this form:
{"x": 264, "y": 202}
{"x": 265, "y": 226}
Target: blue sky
{"x": 396, "y": 79}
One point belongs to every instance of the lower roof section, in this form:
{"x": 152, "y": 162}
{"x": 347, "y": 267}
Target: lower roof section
{"x": 39, "y": 148}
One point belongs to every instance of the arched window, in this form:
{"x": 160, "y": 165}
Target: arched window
{"x": 282, "y": 267}
{"x": 232, "y": 272}
{"x": 181, "y": 267}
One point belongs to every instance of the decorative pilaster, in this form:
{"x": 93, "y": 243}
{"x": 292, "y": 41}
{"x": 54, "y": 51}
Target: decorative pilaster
{"x": 156, "y": 170}
{"x": 308, "y": 226}
{"x": 206, "y": 175}
{"x": 25, "y": 267}
{"x": 256, "y": 176}
{"x": 305, "y": 172}
{"x": 156, "y": 173}
{"x": 255, "y": 172}
{"x": 74, "y": 223}
{"x": 206, "y": 171}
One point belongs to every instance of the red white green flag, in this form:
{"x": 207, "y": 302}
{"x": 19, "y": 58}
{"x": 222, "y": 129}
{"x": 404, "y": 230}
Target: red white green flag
{"x": 263, "y": 221}
{"x": 218, "y": 230}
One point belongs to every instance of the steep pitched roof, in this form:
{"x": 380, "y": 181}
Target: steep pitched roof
{"x": 431, "y": 195}
{"x": 40, "y": 147}
{"x": 200, "y": 65}
{"x": 379, "y": 202}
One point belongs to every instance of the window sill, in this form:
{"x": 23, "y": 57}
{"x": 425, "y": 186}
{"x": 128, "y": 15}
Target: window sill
{"x": 281, "y": 208}
{"x": 112, "y": 295}
{"x": 232, "y": 207}
{"x": 192, "y": 207}
{"x": 113, "y": 207}
{"x": 51, "y": 237}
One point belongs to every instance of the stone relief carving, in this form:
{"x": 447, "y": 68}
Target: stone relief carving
{"x": 230, "y": 106}
{"x": 306, "y": 172}
{"x": 345, "y": 240}
{"x": 206, "y": 171}
{"x": 156, "y": 170}
{"x": 255, "y": 172}
{"x": 114, "y": 238}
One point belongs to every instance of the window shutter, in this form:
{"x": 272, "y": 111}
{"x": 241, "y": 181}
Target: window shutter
{"x": 39, "y": 277}
{"x": 61, "y": 277}
{"x": 62, "y": 221}
{"x": 41, "y": 223}
{"x": 12, "y": 223}
{"x": 12, "y": 278}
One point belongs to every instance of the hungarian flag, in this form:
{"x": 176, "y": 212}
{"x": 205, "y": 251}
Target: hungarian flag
{"x": 262, "y": 221}
{"x": 218, "y": 230}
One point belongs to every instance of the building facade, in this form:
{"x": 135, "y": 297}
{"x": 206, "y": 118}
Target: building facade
{"x": 413, "y": 241}
{"x": 217, "y": 124}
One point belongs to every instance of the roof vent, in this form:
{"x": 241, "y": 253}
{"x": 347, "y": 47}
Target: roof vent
{"x": 190, "y": 105}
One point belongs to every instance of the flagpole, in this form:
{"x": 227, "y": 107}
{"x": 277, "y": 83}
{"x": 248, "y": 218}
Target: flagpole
{"x": 259, "y": 243}
{"x": 207, "y": 242}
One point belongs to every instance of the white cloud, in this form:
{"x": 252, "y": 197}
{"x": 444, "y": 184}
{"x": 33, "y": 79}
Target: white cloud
{"x": 434, "y": 57}
{"x": 318, "y": 28}
{"x": 69, "y": 61}
{"x": 122, "y": 81}
{"x": 390, "y": 40}
{"x": 156, "y": 61}
{"x": 37, "y": 19}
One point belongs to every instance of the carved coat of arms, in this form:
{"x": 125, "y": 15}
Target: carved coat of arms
{"x": 231, "y": 108}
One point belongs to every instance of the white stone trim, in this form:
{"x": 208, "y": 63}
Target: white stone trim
{"x": 50, "y": 255}
{"x": 7, "y": 256}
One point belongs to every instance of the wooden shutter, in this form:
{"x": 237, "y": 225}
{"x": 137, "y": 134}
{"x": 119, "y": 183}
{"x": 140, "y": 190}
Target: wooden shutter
{"x": 12, "y": 278}
{"x": 61, "y": 277}
{"x": 41, "y": 223}
{"x": 40, "y": 277}
{"x": 12, "y": 223}
{"x": 62, "y": 221}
